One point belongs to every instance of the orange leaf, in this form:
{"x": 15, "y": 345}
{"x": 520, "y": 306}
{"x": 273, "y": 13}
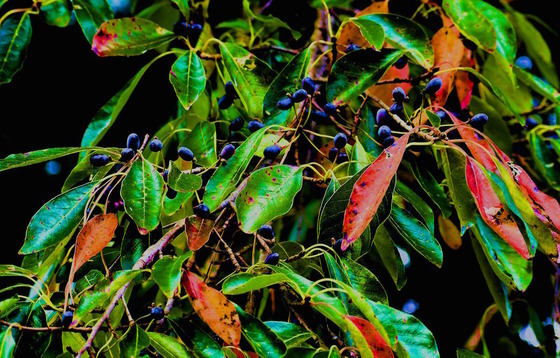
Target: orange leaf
{"x": 369, "y": 189}
{"x": 350, "y": 33}
{"x": 93, "y": 238}
{"x": 213, "y": 308}
{"x": 198, "y": 231}
{"x": 385, "y": 91}
{"x": 449, "y": 232}
{"x": 448, "y": 53}
{"x": 374, "y": 339}
{"x": 492, "y": 210}
{"x": 463, "y": 83}
{"x": 476, "y": 144}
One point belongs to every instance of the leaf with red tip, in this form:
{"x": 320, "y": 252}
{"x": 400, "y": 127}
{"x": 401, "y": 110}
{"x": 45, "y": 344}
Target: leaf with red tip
{"x": 492, "y": 210}
{"x": 198, "y": 231}
{"x": 448, "y": 52}
{"x": 369, "y": 189}
{"x": 213, "y": 308}
{"x": 478, "y": 146}
{"x": 377, "y": 345}
{"x": 463, "y": 83}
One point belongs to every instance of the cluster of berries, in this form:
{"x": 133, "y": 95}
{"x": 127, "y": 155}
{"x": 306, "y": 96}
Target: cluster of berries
{"x": 307, "y": 89}
{"x": 335, "y": 153}
{"x": 227, "y": 99}
{"x": 190, "y": 30}
{"x": 267, "y": 232}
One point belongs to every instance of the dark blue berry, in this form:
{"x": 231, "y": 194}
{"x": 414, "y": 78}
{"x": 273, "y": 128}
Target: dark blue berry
{"x": 469, "y": 44}
{"x": 225, "y": 102}
{"x": 330, "y": 109}
{"x": 230, "y": 90}
{"x": 171, "y": 193}
{"x": 338, "y": 246}
{"x": 382, "y": 118}
{"x": 272, "y": 151}
{"x": 185, "y": 153}
{"x": 272, "y": 258}
{"x": 352, "y": 47}
{"x": 193, "y": 32}
{"x": 285, "y": 103}
{"x": 266, "y": 231}
{"x": 384, "y": 132}
{"x": 254, "y": 126}
{"x": 396, "y": 108}
{"x": 227, "y": 151}
{"x": 531, "y": 123}
{"x": 299, "y": 95}
{"x": 308, "y": 85}
{"x": 98, "y": 160}
{"x": 180, "y": 28}
{"x": 165, "y": 174}
{"x": 342, "y": 157}
{"x": 157, "y": 313}
{"x": 316, "y": 116}
{"x": 340, "y": 140}
{"x": 333, "y": 153}
{"x": 441, "y": 114}
{"x": 127, "y": 154}
{"x": 387, "y": 142}
{"x": 133, "y": 141}
{"x": 524, "y": 62}
{"x": 399, "y": 95}
{"x": 401, "y": 62}
{"x": 551, "y": 119}
{"x": 551, "y": 134}
{"x": 202, "y": 210}
{"x": 67, "y": 318}
{"x": 236, "y": 124}
{"x": 479, "y": 119}
{"x": 433, "y": 86}
{"x": 156, "y": 145}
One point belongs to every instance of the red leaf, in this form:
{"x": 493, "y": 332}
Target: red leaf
{"x": 374, "y": 339}
{"x": 213, "y": 308}
{"x": 463, "y": 83}
{"x": 369, "y": 190}
{"x": 198, "y": 232}
{"x": 492, "y": 210}
{"x": 479, "y": 147}
{"x": 448, "y": 53}
{"x": 384, "y": 92}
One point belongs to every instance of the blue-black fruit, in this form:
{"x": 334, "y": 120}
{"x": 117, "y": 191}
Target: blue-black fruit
{"x": 98, "y": 160}
{"x": 225, "y": 102}
{"x": 67, "y": 318}
{"x": 469, "y": 44}
{"x": 396, "y": 108}
{"x": 387, "y": 142}
{"x": 330, "y": 109}
{"x": 127, "y": 154}
{"x": 254, "y": 126}
{"x": 272, "y": 258}
{"x": 479, "y": 119}
{"x": 227, "y": 151}
{"x": 340, "y": 140}
{"x": 352, "y": 47}
{"x": 381, "y": 117}
{"x": 230, "y": 90}
{"x": 171, "y": 193}
{"x": 272, "y": 151}
{"x": 299, "y": 95}
{"x": 180, "y": 28}
{"x": 165, "y": 174}
{"x": 185, "y": 153}
{"x": 193, "y": 32}
{"x": 316, "y": 116}
{"x": 284, "y": 103}
{"x": 401, "y": 62}
{"x": 531, "y": 123}
{"x": 133, "y": 141}
{"x": 308, "y": 85}
{"x": 338, "y": 246}
{"x": 399, "y": 95}
{"x": 342, "y": 157}
{"x": 202, "y": 210}
{"x": 433, "y": 86}
{"x": 441, "y": 114}
{"x": 236, "y": 124}
{"x": 157, "y": 313}
{"x": 524, "y": 62}
{"x": 266, "y": 231}
{"x": 384, "y": 132}
{"x": 333, "y": 153}
{"x": 156, "y": 145}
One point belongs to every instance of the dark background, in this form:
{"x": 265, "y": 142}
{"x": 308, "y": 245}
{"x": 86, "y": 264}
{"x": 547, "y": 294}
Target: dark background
{"x": 50, "y": 102}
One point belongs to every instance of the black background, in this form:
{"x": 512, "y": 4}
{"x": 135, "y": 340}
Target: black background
{"x": 50, "y": 102}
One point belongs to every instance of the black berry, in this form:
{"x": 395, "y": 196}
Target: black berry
{"x": 185, "y": 153}
{"x": 133, "y": 141}
{"x": 266, "y": 231}
{"x": 316, "y": 116}
{"x": 333, "y": 153}
{"x": 171, "y": 193}
{"x": 401, "y": 62}
{"x": 156, "y": 145}
{"x": 531, "y": 123}
{"x": 254, "y": 126}
{"x": 165, "y": 174}
{"x": 338, "y": 246}
{"x": 157, "y": 313}
{"x": 98, "y": 160}
{"x": 384, "y": 132}
{"x": 352, "y": 47}
{"x": 67, "y": 318}
{"x": 342, "y": 157}
{"x": 236, "y": 124}
{"x": 387, "y": 142}
{"x": 180, "y": 28}
{"x": 285, "y": 103}
{"x": 396, "y": 108}
{"x": 193, "y": 32}
{"x": 433, "y": 86}
{"x": 225, "y": 102}
{"x": 441, "y": 114}
{"x": 399, "y": 95}
{"x": 202, "y": 210}
{"x": 272, "y": 151}
{"x": 230, "y": 90}
{"x": 340, "y": 140}
{"x": 272, "y": 258}
{"x": 127, "y": 154}
{"x": 227, "y": 151}
{"x": 299, "y": 95}
{"x": 381, "y": 117}
{"x": 308, "y": 85}
{"x": 479, "y": 119}
{"x": 330, "y": 109}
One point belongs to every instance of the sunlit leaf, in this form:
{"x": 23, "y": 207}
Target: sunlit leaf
{"x": 90, "y": 14}
{"x": 188, "y": 78}
{"x": 202, "y": 141}
{"x": 56, "y": 13}
{"x": 246, "y": 282}
{"x": 7, "y": 343}
{"x": 472, "y": 22}
{"x": 168, "y": 346}
{"x": 15, "y": 35}
{"x": 537, "y": 84}
{"x": 183, "y": 181}
{"x": 167, "y": 272}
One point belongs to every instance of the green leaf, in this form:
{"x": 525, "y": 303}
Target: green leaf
{"x": 263, "y": 340}
{"x": 431, "y": 187}
{"x": 270, "y": 20}
{"x": 90, "y": 14}
{"x": 464, "y": 353}
{"x": 7, "y": 343}
{"x": 418, "y": 203}
{"x": 225, "y": 178}
{"x": 142, "y": 193}
{"x": 171, "y": 206}
{"x": 537, "y": 84}
{"x": 359, "y": 159}
{"x": 194, "y": 337}
{"x": 15, "y": 35}
{"x": 472, "y": 22}
{"x": 250, "y": 75}
{"x": 291, "y": 334}
{"x": 416, "y": 234}
{"x": 188, "y": 78}
{"x": 132, "y": 247}
{"x": 129, "y": 36}
{"x": 389, "y": 254}
{"x": 202, "y": 141}
{"x": 56, "y": 13}
{"x": 168, "y": 346}
{"x": 506, "y": 39}
{"x": 287, "y": 81}
{"x": 184, "y": 8}
{"x": 367, "y": 131}
{"x": 268, "y": 194}
{"x": 84, "y": 169}
{"x": 355, "y": 72}
{"x": 167, "y": 272}
{"x": 182, "y": 181}
{"x": 134, "y": 341}
{"x": 363, "y": 280}
{"x": 370, "y": 30}
{"x": 87, "y": 282}
{"x": 543, "y": 160}
{"x": 56, "y": 219}
{"x": 243, "y": 282}
{"x": 401, "y": 33}
{"x": 8, "y": 305}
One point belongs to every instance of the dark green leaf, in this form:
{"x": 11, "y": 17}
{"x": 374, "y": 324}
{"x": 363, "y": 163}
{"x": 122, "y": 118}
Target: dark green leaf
{"x": 134, "y": 341}
{"x": 168, "y": 346}
{"x": 202, "y": 141}
{"x": 56, "y": 13}
{"x": 132, "y": 247}
{"x": 464, "y": 353}
{"x": 194, "y": 337}
{"x": 84, "y": 169}
{"x": 390, "y": 256}
{"x": 182, "y": 181}
{"x": 537, "y": 84}
{"x": 184, "y": 8}
{"x": 363, "y": 280}
{"x": 418, "y": 203}
{"x": 90, "y": 14}
{"x": 431, "y": 187}
{"x": 355, "y": 72}
{"x": 367, "y": 131}
{"x": 87, "y": 282}
{"x": 142, "y": 193}
{"x": 270, "y": 20}
{"x": 290, "y": 333}
{"x": 472, "y": 22}
{"x": 544, "y": 160}
{"x": 56, "y": 219}
{"x": 263, "y": 340}
{"x": 167, "y": 273}
{"x": 188, "y": 78}
{"x": 15, "y": 35}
